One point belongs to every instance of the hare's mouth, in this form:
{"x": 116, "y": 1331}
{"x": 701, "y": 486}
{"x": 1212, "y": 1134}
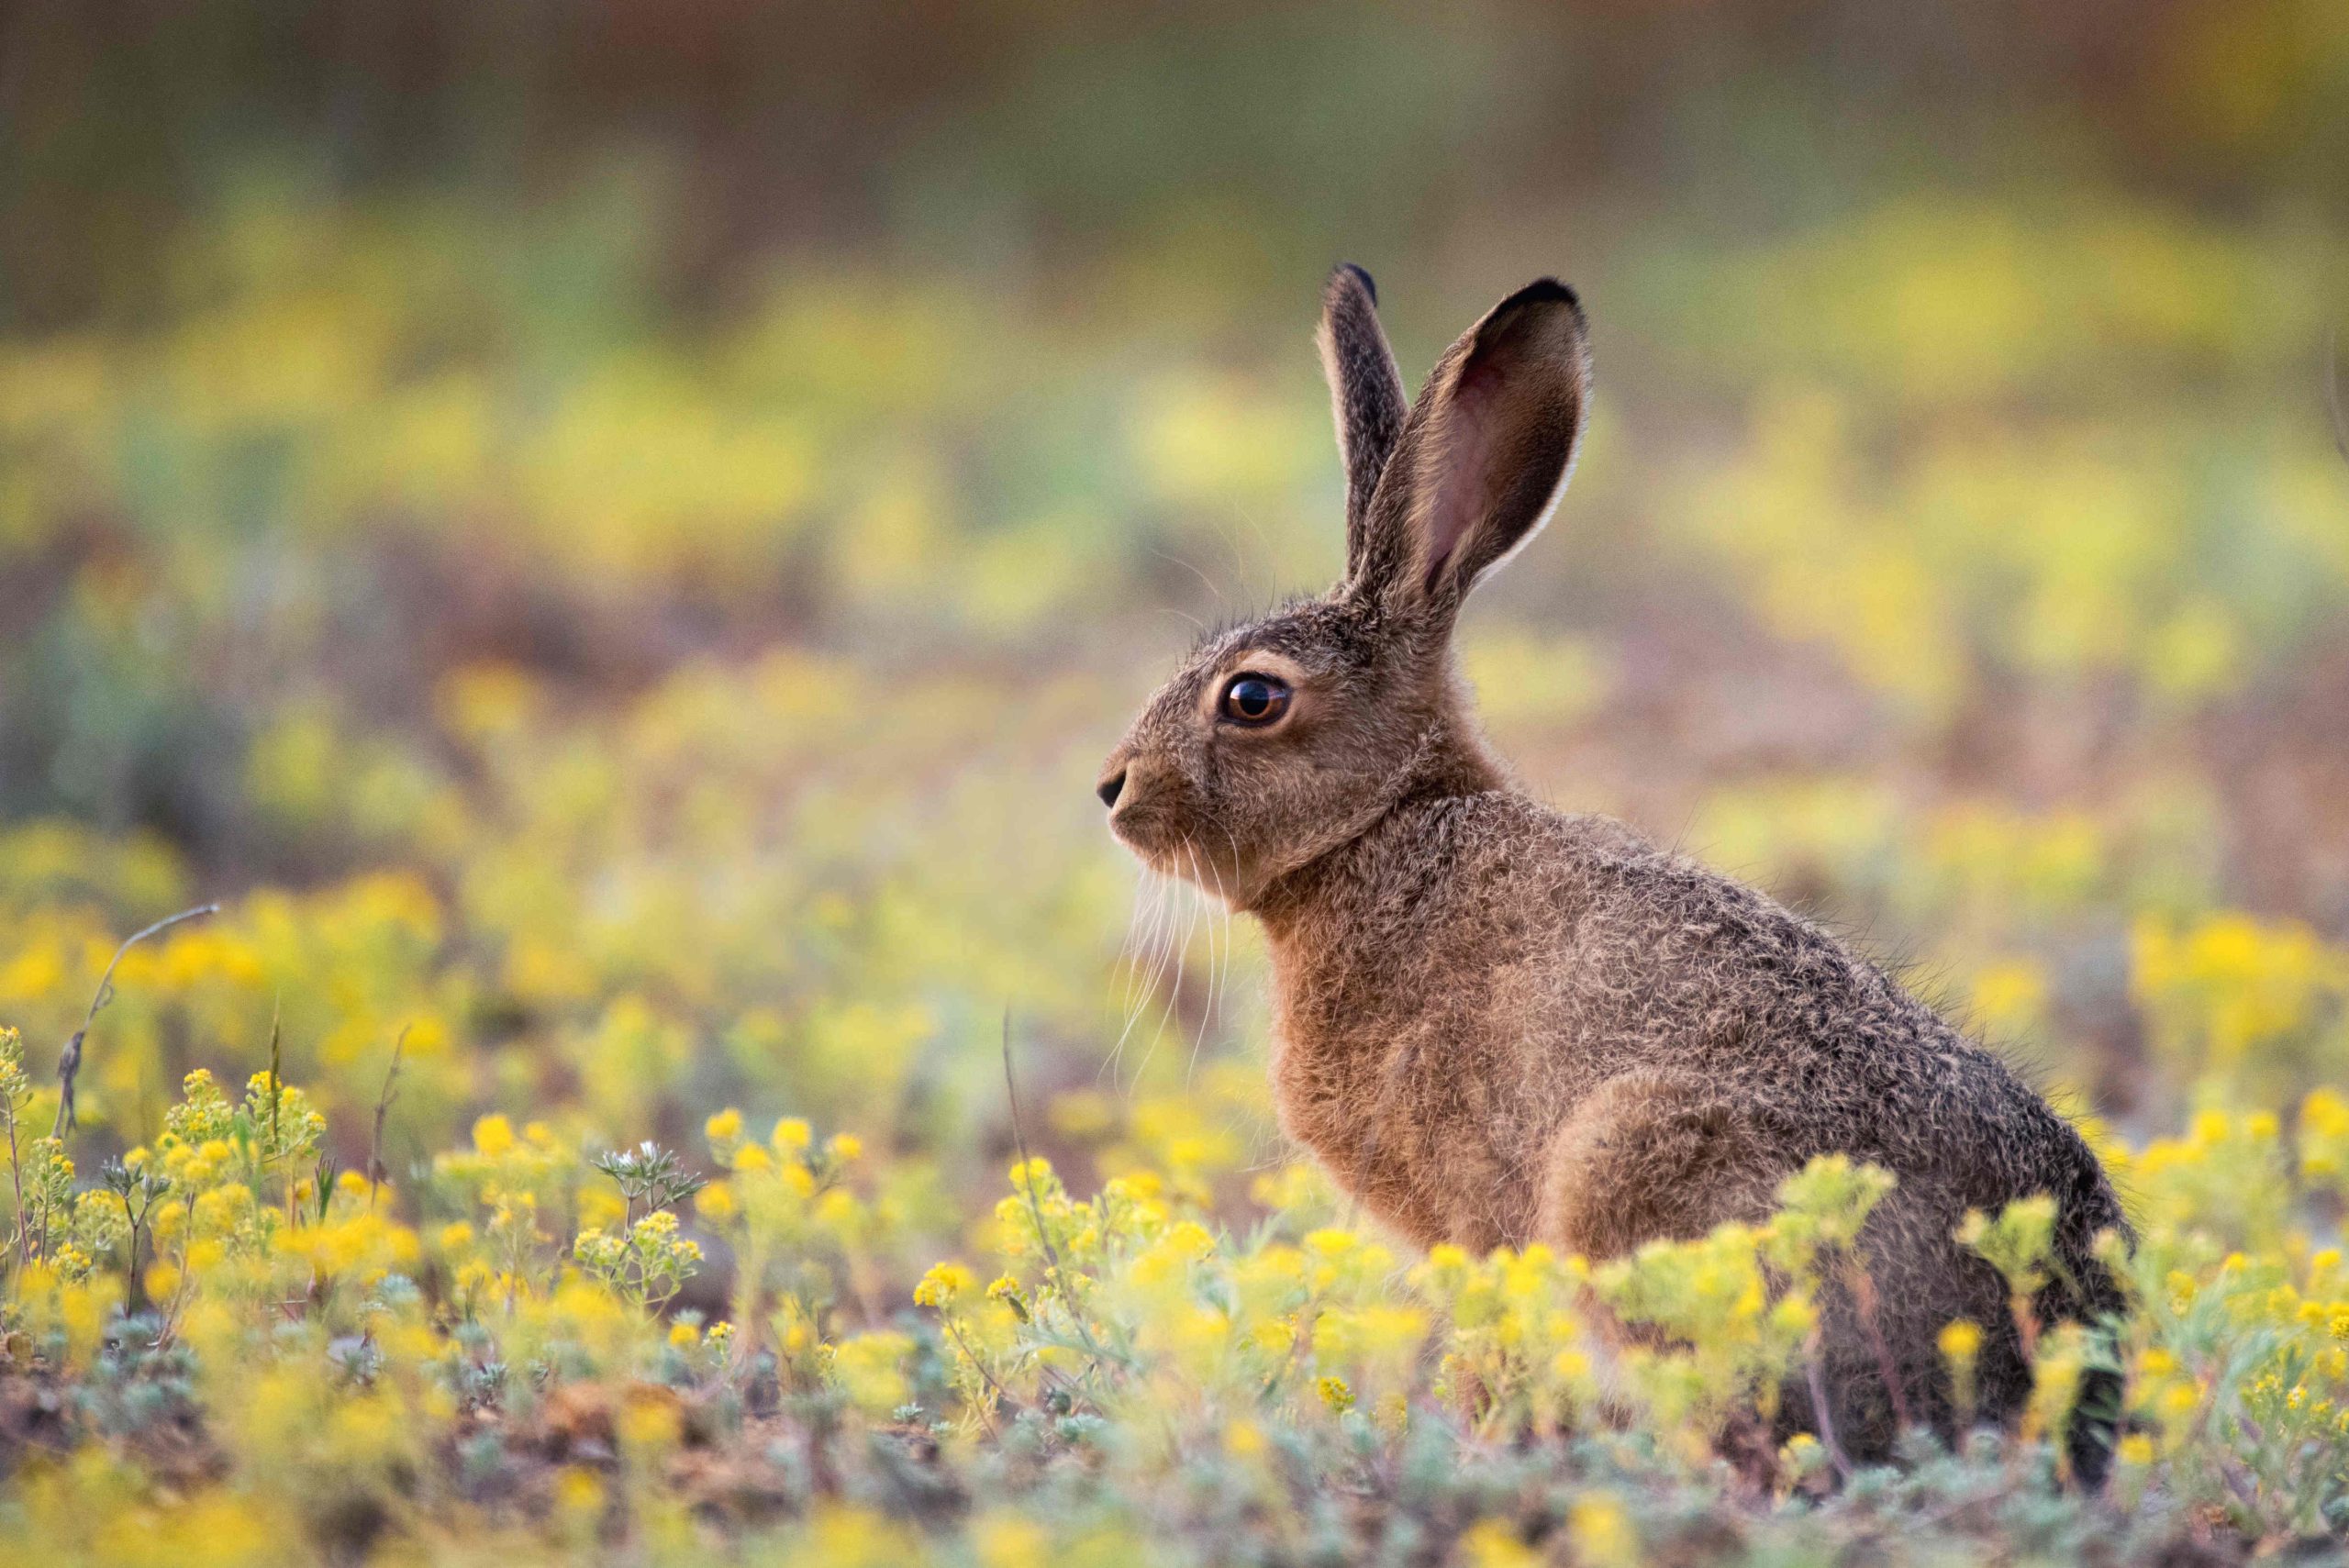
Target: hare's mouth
{"x": 1170, "y": 853}
{"x": 1158, "y": 850}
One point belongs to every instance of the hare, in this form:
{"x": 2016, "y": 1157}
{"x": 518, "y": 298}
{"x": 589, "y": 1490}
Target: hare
{"x": 1497, "y": 1024}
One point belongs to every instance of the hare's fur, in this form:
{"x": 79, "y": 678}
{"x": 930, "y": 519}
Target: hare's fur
{"x": 1497, "y": 1024}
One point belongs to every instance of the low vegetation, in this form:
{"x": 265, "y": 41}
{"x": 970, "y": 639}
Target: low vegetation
{"x": 220, "y": 1347}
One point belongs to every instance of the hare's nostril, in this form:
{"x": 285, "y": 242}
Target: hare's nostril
{"x": 1109, "y": 788}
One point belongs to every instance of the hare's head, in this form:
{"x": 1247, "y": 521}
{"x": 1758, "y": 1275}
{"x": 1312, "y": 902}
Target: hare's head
{"x": 1276, "y": 742}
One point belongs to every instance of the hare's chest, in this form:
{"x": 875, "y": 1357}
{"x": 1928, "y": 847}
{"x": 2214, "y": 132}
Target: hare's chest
{"x": 1405, "y": 1118}
{"x": 1329, "y": 1094}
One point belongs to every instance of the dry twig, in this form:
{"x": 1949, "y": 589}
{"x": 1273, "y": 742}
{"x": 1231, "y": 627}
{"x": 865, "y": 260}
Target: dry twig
{"x": 382, "y": 1107}
{"x": 69, "y": 1061}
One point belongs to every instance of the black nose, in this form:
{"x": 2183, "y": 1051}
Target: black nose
{"x": 1109, "y": 788}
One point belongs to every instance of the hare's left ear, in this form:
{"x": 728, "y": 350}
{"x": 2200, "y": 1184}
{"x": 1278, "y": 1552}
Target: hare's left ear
{"x": 1365, "y": 392}
{"x": 1483, "y": 456}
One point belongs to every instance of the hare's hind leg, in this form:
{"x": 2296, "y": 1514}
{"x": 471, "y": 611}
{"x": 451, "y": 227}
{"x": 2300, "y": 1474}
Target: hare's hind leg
{"x": 1653, "y": 1155}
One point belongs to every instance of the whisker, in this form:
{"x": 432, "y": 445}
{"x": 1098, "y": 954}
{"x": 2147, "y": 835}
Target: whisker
{"x": 1206, "y": 1010}
{"x": 1137, "y": 990}
{"x": 1146, "y": 936}
{"x": 1144, "y": 887}
{"x": 1223, "y": 989}
{"x": 1174, "y": 991}
{"x": 1203, "y": 577}
{"x": 1162, "y": 951}
{"x": 1229, "y": 839}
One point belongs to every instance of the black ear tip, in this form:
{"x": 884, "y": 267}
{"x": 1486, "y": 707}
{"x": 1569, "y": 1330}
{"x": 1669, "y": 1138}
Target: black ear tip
{"x": 1546, "y": 290}
{"x": 1362, "y": 278}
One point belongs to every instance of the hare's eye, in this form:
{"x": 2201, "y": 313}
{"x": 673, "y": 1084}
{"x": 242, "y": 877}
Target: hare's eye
{"x": 1255, "y": 699}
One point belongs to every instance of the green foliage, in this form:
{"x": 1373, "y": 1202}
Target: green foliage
{"x": 1137, "y": 1371}
{"x": 647, "y": 1264}
{"x": 2018, "y": 1241}
{"x": 649, "y": 1174}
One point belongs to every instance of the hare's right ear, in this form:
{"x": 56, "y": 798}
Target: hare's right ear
{"x": 1365, "y": 393}
{"x": 1483, "y": 457}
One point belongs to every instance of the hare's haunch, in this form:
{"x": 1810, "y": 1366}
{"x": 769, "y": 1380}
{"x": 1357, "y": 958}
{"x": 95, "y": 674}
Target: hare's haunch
{"x": 1499, "y": 1024}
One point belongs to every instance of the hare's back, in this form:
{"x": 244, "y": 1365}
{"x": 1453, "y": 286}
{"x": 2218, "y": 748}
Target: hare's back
{"x": 1662, "y": 963}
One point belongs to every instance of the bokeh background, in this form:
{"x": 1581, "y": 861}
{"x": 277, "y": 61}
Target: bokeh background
{"x": 614, "y": 536}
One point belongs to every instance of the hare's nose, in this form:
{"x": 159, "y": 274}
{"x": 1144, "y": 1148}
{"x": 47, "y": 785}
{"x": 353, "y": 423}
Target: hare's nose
{"x": 1109, "y": 788}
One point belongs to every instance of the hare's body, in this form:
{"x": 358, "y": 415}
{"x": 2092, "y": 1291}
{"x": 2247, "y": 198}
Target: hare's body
{"x": 1500, "y": 1025}
{"x": 1548, "y": 1031}
{"x": 1474, "y": 998}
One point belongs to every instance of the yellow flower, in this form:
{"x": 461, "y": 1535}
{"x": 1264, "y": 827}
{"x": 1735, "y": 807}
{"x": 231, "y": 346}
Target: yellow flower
{"x": 1330, "y": 1243}
{"x": 942, "y": 1284}
{"x": 578, "y": 1492}
{"x": 792, "y": 1134}
{"x": 870, "y": 1370}
{"x": 1960, "y": 1340}
{"x": 1135, "y": 1186}
{"x": 1190, "y": 1239}
{"x": 1492, "y": 1544}
{"x": 1793, "y": 1317}
{"x": 494, "y": 1136}
{"x": 1602, "y": 1533}
{"x": 725, "y": 1126}
{"x": 650, "y": 1423}
{"x": 1007, "y": 1540}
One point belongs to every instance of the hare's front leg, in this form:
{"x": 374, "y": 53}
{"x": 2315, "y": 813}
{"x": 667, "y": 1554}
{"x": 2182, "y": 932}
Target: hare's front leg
{"x": 1648, "y": 1155}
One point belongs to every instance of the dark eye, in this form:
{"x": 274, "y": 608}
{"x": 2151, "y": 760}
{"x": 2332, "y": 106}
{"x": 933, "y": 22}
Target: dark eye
{"x": 1255, "y": 699}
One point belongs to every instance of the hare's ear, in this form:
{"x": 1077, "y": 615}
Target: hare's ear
{"x": 1483, "y": 456}
{"x": 1365, "y": 392}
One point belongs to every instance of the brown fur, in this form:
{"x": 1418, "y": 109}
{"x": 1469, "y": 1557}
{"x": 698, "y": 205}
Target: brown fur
{"x": 1497, "y": 1024}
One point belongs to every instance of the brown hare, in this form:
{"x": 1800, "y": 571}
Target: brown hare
{"x": 1499, "y": 1024}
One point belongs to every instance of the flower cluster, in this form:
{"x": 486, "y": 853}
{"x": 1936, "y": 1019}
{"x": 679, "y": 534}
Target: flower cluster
{"x": 1139, "y": 1335}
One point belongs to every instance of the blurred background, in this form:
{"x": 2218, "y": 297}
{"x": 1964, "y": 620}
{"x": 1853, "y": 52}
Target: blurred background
{"x": 614, "y": 536}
